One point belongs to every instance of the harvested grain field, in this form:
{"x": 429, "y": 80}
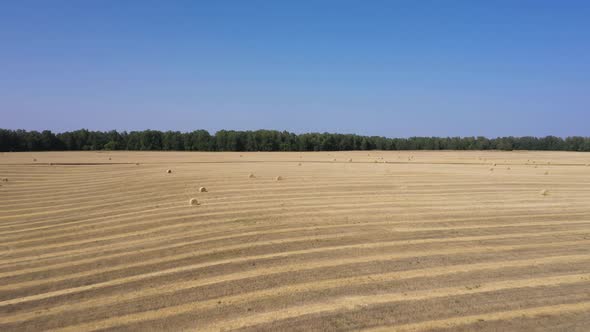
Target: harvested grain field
{"x": 402, "y": 240}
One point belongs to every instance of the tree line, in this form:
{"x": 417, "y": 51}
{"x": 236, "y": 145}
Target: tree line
{"x": 267, "y": 140}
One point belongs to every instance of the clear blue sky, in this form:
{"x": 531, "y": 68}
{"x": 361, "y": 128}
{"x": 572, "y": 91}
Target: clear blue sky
{"x": 392, "y": 68}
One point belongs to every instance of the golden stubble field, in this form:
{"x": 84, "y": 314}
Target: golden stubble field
{"x": 408, "y": 241}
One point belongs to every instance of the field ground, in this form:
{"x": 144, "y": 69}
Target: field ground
{"x": 408, "y": 241}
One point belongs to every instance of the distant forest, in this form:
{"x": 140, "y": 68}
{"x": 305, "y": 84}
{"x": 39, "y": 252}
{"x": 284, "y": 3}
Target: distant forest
{"x": 266, "y": 140}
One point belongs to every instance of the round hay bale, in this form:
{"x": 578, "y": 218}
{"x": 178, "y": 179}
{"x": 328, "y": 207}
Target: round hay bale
{"x": 544, "y": 192}
{"x": 299, "y": 164}
{"x": 193, "y": 202}
{"x": 546, "y": 173}
{"x": 109, "y": 158}
{"x": 168, "y": 171}
{"x": 278, "y": 178}
{"x": 4, "y": 179}
{"x": 202, "y": 189}
{"x": 491, "y": 168}
{"x": 494, "y": 164}
{"x": 136, "y": 164}
{"x": 251, "y": 176}
{"x": 350, "y": 160}
{"x": 34, "y": 159}
{"x": 508, "y": 168}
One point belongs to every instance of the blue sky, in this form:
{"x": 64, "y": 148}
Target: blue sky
{"x": 391, "y": 68}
